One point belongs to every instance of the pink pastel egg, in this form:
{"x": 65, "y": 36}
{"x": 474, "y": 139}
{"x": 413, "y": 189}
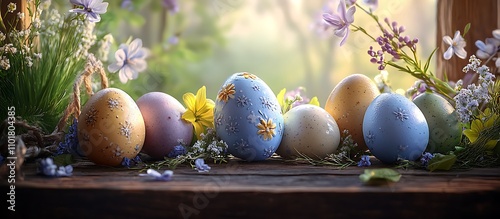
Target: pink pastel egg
{"x": 165, "y": 127}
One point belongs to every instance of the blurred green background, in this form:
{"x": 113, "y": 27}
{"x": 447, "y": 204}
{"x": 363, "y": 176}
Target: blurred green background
{"x": 279, "y": 41}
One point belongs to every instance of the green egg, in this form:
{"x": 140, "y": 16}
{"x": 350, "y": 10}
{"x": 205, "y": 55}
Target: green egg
{"x": 445, "y": 130}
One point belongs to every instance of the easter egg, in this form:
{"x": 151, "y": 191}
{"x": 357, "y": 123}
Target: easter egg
{"x": 348, "y": 102}
{"x": 165, "y": 127}
{"x": 110, "y": 127}
{"x": 309, "y": 131}
{"x": 248, "y": 118}
{"x": 394, "y": 127}
{"x": 445, "y": 130}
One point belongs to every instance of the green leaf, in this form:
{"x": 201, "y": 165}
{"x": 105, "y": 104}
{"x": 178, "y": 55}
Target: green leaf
{"x": 63, "y": 160}
{"x": 442, "y": 162}
{"x": 466, "y": 29}
{"x": 384, "y": 174}
{"x": 427, "y": 63}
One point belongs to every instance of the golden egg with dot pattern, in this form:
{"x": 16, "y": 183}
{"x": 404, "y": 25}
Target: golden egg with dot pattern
{"x": 110, "y": 127}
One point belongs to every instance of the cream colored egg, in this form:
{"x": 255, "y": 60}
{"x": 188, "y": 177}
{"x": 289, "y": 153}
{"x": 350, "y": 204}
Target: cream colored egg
{"x": 348, "y": 102}
{"x": 110, "y": 127}
{"x": 309, "y": 130}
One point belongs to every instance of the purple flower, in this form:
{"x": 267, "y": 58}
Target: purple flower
{"x": 47, "y": 167}
{"x": 173, "y": 40}
{"x": 488, "y": 48}
{"x": 171, "y": 5}
{"x": 372, "y": 4}
{"x": 91, "y": 8}
{"x": 201, "y": 166}
{"x": 127, "y": 4}
{"x": 426, "y": 157}
{"x": 70, "y": 144}
{"x": 127, "y": 162}
{"x": 457, "y": 46}
{"x": 177, "y": 151}
{"x": 341, "y": 20}
{"x": 130, "y": 60}
{"x": 156, "y": 176}
{"x": 297, "y": 95}
{"x": 365, "y": 161}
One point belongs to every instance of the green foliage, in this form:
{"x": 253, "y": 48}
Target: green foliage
{"x": 442, "y": 162}
{"x": 39, "y": 87}
{"x": 377, "y": 175}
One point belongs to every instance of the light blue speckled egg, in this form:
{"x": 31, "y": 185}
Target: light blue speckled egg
{"x": 248, "y": 117}
{"x": 394, "y": 127}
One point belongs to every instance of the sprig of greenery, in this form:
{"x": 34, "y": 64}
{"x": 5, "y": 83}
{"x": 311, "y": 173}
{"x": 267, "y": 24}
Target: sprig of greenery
{"x": 342, "y": 158}
{"x": 411, "y": 63}
{"x": 209, "y": 147}
{"x": 38, "y": 85}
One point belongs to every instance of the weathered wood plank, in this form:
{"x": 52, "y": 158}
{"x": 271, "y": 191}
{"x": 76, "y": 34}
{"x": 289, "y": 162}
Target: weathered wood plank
{"x": 271, "y": 188}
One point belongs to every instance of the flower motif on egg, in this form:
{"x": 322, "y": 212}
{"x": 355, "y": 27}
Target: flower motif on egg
{"x": 218, "y": 119}
{"x": 241, "y": 145}
{"x": 91, "y": 117}
{"x": 227, "y": 93}
{"x": 403, "y": 147}
{"x": 266, "y": 129}
{"x": 232, "y": 127}
{"x": 252, "y": 118}
{"x": 126, "y": 130}
{"x": 243, "y": 101}
{"x": 401, "y": 114}
{"x": 370, "y": 137}
{"x": 256, "y": 88}
{"x": 268, "y": 152}
{"x": 247, "y": 75}
{"x": 113, "y": 103}
{"x": 267, "y": 103}
{"x": 117, "y": 151}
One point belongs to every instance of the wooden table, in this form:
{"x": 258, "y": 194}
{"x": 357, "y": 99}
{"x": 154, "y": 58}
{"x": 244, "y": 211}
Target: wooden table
{"x": 269, "y": 189}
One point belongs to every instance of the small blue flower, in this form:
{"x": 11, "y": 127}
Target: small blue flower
{"x": 365, "y": 161}
{"x": 137, "y": 159}
{"x": 201, "y": 166}
{"x": 155, "y": 175}
{"x": 426, "y": 157}
{"x": 177, "y": 151}
{"x": 1, "y": 159}
{"x": 47, "y": 167}
{"x": 70, "y": 144}
{"x": 127, "y": 162}
{"x": 91, "y": 8}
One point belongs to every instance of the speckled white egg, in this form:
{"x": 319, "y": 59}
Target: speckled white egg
{"x": 248, "y": 118}
{"x": 165, "y": 127}
{"x": 394, "y": 127}
{"x": 110, "y": 127}
{"x": 309, "y": 130}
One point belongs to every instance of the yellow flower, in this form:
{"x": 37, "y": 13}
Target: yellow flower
{"x": 266, "y": 129}
{"x": 486, "y": 120}
{"x": 227, "y": 92}
{"x": 200, "y": 111}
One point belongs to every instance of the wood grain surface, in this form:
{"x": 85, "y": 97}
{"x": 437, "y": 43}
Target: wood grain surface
{"x": 269, "y": 189}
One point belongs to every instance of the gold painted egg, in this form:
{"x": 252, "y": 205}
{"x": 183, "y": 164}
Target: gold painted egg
{"x": 348, "y": 102}
{"x": 110, "y": 127}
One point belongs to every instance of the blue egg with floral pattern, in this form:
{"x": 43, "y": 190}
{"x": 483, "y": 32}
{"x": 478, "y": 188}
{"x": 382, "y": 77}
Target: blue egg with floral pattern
{"x": 248, "y": 117}
{"x": 395, "y": 128}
